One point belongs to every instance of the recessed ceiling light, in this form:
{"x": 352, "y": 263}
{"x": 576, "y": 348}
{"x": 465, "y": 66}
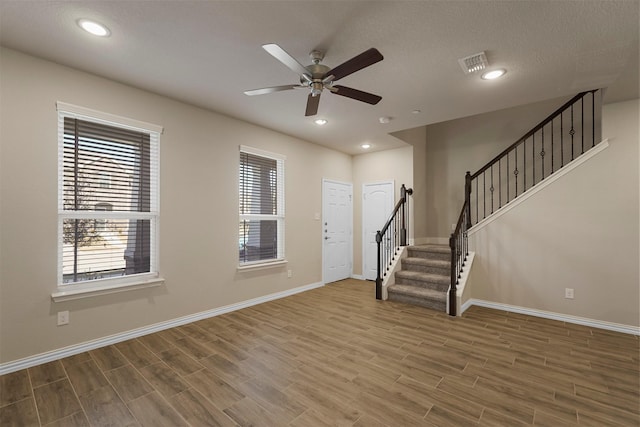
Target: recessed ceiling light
{"x": 320, "y": 122}
{"x": 494, "y": 74}
{"x": 385, "y": 119}
{"x": 94, "y": 28}
{"x": 416, "y": 111}
{"x": 366, "y": 146}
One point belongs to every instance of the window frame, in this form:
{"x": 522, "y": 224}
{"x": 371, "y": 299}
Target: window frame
{"x": 279, "y": 217}
{"x": 74, "y": 290}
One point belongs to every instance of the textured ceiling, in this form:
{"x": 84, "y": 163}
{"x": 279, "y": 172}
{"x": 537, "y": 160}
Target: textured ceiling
{"x": 208, "y": 52}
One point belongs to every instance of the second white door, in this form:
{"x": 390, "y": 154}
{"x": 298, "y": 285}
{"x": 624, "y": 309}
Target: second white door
{"x": 377, "y": 205}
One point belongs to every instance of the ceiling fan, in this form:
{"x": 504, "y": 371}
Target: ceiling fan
{"x": 318, "y": 77}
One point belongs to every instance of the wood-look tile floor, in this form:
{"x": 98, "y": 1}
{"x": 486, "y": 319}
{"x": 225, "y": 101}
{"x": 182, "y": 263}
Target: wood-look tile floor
{"x": 335, "y": 356}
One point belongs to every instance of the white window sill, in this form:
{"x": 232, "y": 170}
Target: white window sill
{"x": 262, "y": 265}
{"x": 73, "y": 292}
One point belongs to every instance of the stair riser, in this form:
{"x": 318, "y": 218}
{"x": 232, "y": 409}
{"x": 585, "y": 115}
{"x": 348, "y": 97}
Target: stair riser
{"x": 422, "y": 302}
{"x": 440, "y": 256}
{"x": 443, "y": 271}
{"x": 441, "y": 287}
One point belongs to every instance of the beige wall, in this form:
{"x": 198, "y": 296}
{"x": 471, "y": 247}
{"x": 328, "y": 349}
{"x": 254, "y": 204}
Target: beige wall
{"x": 417, "y": 137}
{"x": 199, "y": 209}
{"x": 581, "y": 232}
{"x": 390, "y": 165}
{"x": 467, "y": 144}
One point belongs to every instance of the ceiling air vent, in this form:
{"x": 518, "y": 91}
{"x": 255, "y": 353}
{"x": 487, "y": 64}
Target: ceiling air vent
{"x": 474, "y": 63}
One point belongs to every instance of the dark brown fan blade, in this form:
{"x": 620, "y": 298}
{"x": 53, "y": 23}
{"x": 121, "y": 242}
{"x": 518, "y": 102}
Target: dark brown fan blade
{"x": 312, "y": 105}
{"x": 356, "y": 94}
{"x": 366, "y": 58}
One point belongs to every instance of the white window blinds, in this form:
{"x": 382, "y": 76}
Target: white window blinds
{"x": 108, "y": 199}
{"x": 261, "y": 194}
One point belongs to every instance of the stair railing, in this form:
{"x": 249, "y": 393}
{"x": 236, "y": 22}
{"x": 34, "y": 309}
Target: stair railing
{"x": 391, "y": 237}
{"x": 560, "y": 138}
{"x": 566, "y": 134}
{"x": 459, "y": 250}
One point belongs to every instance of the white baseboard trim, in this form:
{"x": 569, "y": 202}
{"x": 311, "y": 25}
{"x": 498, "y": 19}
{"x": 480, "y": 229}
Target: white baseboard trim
{"x": 28, "y": 362}
{"x": 600, "y": 324}
{"x": 358, "y": 276}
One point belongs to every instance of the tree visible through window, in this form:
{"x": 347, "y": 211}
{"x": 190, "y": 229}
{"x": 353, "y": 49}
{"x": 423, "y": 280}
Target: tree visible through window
{"x": 261, "y": 191}
{"x": 108, "y": 200}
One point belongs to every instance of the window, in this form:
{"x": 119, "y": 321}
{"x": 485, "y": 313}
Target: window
{"x": 102, "y": 223}
{"x": 261, "y": 226}
{"x": 105, "y": 180}
{"x": 107, "y": 197}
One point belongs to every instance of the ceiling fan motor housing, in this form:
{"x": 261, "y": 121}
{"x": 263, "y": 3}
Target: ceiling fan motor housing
{"x": 317, "y": 72}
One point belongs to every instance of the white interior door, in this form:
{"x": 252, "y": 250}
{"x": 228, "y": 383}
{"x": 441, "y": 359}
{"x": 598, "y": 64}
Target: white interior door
{"x": 377, "y": 205}
{"x": 337, "y": 230}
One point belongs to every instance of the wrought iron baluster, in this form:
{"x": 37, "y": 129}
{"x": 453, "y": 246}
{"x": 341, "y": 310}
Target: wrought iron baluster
{"x": 484, "y": 195}
{"x": 562, "y": 139}
{"x": 552, "y": 156}
{"x": 524, "y": 164}
{"x": 593, "y": 119}
{"x": 508, "y": 179}
{"x": 394, "y": 232}
{"x": 515, "y": 171}
{"x": 582, "y": 124}
{"x": 499, "y": 184}
{"x": 542, "y": 153}
{"x": 477, "y": 202}
{"x": 491, "y": 189}
{"x": 533, "y": 159}
{"x": 572, "y": 132}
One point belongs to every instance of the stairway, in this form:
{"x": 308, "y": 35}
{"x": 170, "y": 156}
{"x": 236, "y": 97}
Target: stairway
{"x": 424, "y": 277}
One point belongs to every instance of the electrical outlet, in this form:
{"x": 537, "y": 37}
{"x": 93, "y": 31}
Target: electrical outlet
{"x": 568, "y": 293}
{"x": 63, "y": 318}
{"x": 289, "y": 273}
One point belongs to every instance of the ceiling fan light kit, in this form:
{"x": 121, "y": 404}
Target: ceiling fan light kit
{"x": 317, "y": 77}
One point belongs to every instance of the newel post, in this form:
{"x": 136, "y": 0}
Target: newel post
{"x": 467, "y": 199}
{"x": 378, "y": 278}
{"x": 403, "y": 216}
{"x": 454, "y": 276}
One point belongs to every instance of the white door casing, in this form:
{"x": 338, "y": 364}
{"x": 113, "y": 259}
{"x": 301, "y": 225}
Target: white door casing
{"x": 337, "y": 230}
{"x": 377, "y": 205}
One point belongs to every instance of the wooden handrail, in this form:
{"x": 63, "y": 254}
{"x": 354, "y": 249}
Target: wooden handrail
{"x": 532, "y": 131}
{"x": 398, "y": 235}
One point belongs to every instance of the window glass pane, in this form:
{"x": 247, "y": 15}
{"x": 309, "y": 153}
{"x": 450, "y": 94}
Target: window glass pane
{"x": 98, "y": 249}
{"x": 258, "y": 185}
{"x": 105, "y": 164}
{"x": 258, "y": 240}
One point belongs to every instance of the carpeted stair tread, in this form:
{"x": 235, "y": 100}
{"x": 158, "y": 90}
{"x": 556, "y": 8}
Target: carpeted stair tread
{"x": 426, "y": 262}
{"x": 433, "y": 252}
{"x": 423, "y": 277}
{"x": 413, "y": 295}
{"x": 432, "y": 248}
